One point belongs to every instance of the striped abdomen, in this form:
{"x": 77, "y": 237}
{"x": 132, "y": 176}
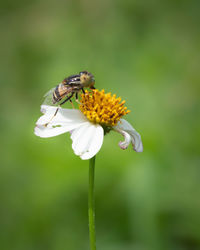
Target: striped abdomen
{"x": 60, "y": 92}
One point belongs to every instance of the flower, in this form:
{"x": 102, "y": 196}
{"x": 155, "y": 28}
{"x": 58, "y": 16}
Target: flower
{"x": 98, "y": 114}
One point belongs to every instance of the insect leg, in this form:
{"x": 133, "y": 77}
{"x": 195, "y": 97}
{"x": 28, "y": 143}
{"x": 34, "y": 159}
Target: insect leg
{"x": 83, "y": 91}
{"x": 77, "y": 98}
{"x": 72, "y": 103}
{"x": 67, "y": 99}
{"x": 46, "y": 124}
{"x": 92, "y": 87}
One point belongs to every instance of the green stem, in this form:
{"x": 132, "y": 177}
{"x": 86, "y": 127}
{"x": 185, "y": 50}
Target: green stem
{"x": 91, "y": 205}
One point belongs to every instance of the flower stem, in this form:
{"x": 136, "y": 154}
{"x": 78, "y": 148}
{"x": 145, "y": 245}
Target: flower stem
{"x": 91, "y": 205}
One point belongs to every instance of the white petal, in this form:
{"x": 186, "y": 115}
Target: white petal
{"x": 87, "y": 140}
{"x": 63, "y": 115}
{"x": 125, "y": 128}
{"x": 127, "y": 139}
{"x": 65, "y": 120}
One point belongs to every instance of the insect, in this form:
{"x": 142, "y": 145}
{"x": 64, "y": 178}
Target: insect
{"x": 67, "y": 88}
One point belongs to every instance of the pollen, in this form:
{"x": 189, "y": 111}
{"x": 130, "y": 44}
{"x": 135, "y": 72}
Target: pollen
{"x": 102, "y": 108}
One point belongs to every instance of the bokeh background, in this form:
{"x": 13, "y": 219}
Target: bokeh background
{"x": 147, "y": 52}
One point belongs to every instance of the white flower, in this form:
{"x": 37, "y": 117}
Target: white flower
{"x": 87, "y": 136}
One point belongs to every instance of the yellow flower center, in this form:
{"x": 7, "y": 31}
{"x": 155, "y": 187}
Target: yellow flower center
{"x": 102, "y": 108}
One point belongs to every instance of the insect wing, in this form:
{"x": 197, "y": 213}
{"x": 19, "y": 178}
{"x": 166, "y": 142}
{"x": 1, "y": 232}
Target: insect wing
{"x": 48, "y": 97}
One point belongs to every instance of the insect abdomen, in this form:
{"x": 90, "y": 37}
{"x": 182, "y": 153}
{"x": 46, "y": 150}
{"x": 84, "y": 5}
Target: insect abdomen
{"x": 56, "y": 95}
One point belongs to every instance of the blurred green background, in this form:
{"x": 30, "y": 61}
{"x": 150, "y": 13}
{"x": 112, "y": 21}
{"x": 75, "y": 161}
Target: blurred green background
{"x": 147, "y": 52}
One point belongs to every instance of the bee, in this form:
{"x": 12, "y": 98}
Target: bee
{"x": 67, "y": 88}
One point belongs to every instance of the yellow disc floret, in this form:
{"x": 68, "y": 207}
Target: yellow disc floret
{"x": 102, "y": 108}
